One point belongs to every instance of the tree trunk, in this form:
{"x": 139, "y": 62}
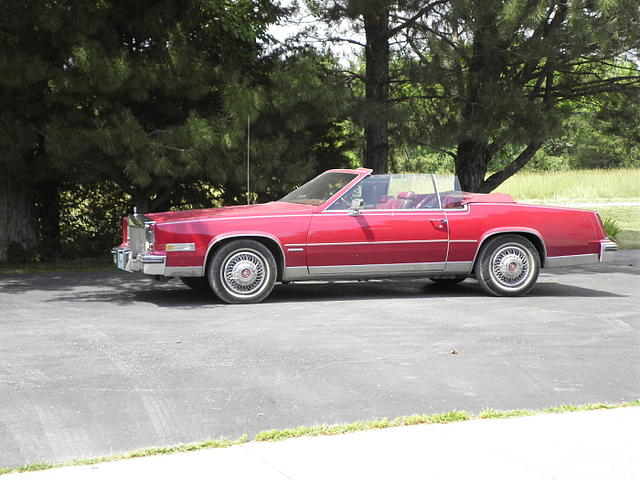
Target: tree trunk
{"x": 48, "y": 208}
{"x": 18, "y": 223}
{"x": 376, "y": 25}
{"x": 474, "y": 157}
{"x": 482, "y": 87}
{"x": 471, "y": 165}
{"x": 514, "y": 167}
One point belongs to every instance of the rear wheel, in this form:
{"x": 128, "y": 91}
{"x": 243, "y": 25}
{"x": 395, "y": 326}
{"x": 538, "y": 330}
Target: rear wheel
{"x": 242, "y": 271}
{"x": 508, "y": 266}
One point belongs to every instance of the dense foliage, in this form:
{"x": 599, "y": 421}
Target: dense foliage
{"x": 107, "y": 104}
{"x": 152, "y": 98}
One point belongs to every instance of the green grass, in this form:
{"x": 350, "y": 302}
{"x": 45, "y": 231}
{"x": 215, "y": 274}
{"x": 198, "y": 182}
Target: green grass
{"x": 594, "y": 186}
{"x": 586, "y": 189}
{"x": 627, "y": 217}
{"x": 628, "y": 221}
{"x": 324, "y": 430}
{"x": 144, "y": 452}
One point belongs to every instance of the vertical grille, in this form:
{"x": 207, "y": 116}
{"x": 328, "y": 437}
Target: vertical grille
{"x": 137, "y": 239}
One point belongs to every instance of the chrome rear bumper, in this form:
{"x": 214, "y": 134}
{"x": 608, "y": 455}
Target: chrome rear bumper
{"x": 608, "y": 251}
{"x": 148, "y": 264}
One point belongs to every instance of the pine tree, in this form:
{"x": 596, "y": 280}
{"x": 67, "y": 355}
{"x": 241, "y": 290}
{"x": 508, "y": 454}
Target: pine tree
{"x": 382, "y": 21}
{"x": 154, "y": 96}
{"x": 489, "y": 77}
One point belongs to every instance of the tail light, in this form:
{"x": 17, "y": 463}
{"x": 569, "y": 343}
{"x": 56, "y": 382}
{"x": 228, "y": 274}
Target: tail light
{"x": 603, "y": 231}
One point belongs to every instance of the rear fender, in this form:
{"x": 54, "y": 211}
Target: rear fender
{"x": 531, "y": 234}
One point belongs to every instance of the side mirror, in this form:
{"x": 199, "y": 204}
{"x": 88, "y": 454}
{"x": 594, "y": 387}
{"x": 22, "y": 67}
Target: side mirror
{"x": 356, "y": 205}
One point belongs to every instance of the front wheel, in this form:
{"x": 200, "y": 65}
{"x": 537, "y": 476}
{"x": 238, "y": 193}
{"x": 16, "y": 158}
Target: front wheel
{"x": 242, "y": 271}
{"x": 508, "y": 266}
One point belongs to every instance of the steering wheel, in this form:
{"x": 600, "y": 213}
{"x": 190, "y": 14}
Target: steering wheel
{"x": 342, "y": 203}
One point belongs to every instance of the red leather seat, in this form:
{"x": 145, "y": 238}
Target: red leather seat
{"x": 403, "y": 201}
{"x": 383, "y": 201}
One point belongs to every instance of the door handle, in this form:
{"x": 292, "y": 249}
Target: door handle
{"x": 439, "y": 223}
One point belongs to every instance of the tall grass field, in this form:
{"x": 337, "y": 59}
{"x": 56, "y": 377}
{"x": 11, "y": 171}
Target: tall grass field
{"x": 581, "y": 186}
{"x": 615, "y": 194}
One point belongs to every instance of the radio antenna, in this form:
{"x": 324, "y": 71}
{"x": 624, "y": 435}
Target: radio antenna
{"x": 248, "y": 172}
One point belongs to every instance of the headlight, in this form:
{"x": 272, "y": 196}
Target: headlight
{"x": 150, "y": 235}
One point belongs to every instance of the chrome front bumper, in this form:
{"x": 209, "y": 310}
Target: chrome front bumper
{"x": 608, "y": 251}
{"x": 147, "y": 264}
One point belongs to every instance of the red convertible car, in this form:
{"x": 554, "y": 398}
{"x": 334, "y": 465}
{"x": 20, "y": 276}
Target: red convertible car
{"x": 350, "y": 224}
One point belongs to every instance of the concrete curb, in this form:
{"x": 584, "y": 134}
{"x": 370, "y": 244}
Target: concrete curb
{"x": 598, "y": 445}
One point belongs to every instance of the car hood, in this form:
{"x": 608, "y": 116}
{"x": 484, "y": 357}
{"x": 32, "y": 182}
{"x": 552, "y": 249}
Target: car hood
{"x": 258, "y": 210}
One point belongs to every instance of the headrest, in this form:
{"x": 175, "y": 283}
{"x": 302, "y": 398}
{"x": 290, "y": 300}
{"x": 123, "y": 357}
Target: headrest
{"x": 407, "y": 195}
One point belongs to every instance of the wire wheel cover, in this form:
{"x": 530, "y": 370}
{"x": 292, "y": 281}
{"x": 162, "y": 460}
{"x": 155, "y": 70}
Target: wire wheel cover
{"x": 244, "y": 273}
{"x": 510, "y": 266}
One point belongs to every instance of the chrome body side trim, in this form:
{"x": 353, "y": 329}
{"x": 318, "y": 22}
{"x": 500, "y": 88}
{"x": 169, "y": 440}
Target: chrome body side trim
{"x": 372, "y": 271}
{"x": 570, "y": 260}
{"x": 375, "y": 270}
{"x": 462, "y": 268}
{"x": 382, "y": 242}
{"x": 184, "y": 271}
{"x": 295, "y": 273}
{"x": 396, "y": 212}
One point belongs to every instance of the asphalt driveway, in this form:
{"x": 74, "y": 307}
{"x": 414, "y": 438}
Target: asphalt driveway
{"x": 93, "y": 364}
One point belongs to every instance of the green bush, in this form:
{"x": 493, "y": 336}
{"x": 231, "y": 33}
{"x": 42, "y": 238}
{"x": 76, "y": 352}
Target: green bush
{"x": 612, "y": 227}
{"x": 91, "y": 218}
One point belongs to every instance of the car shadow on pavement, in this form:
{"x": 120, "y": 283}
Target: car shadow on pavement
{"x": 115, "y": 289}
{"x": 553, "y": 289}
{"x": 344, "y": 291}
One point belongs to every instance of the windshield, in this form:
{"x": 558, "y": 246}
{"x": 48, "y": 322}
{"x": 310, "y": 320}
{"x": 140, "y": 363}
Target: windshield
{"x": 391, "y": 192}
{"x": 403, "y": 192}
{"x": 320, "y": 189}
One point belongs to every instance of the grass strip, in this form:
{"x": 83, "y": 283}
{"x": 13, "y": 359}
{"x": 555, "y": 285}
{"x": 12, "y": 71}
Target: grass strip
{"x": 143, "y": 452}
{"x": 324, "y": 430}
